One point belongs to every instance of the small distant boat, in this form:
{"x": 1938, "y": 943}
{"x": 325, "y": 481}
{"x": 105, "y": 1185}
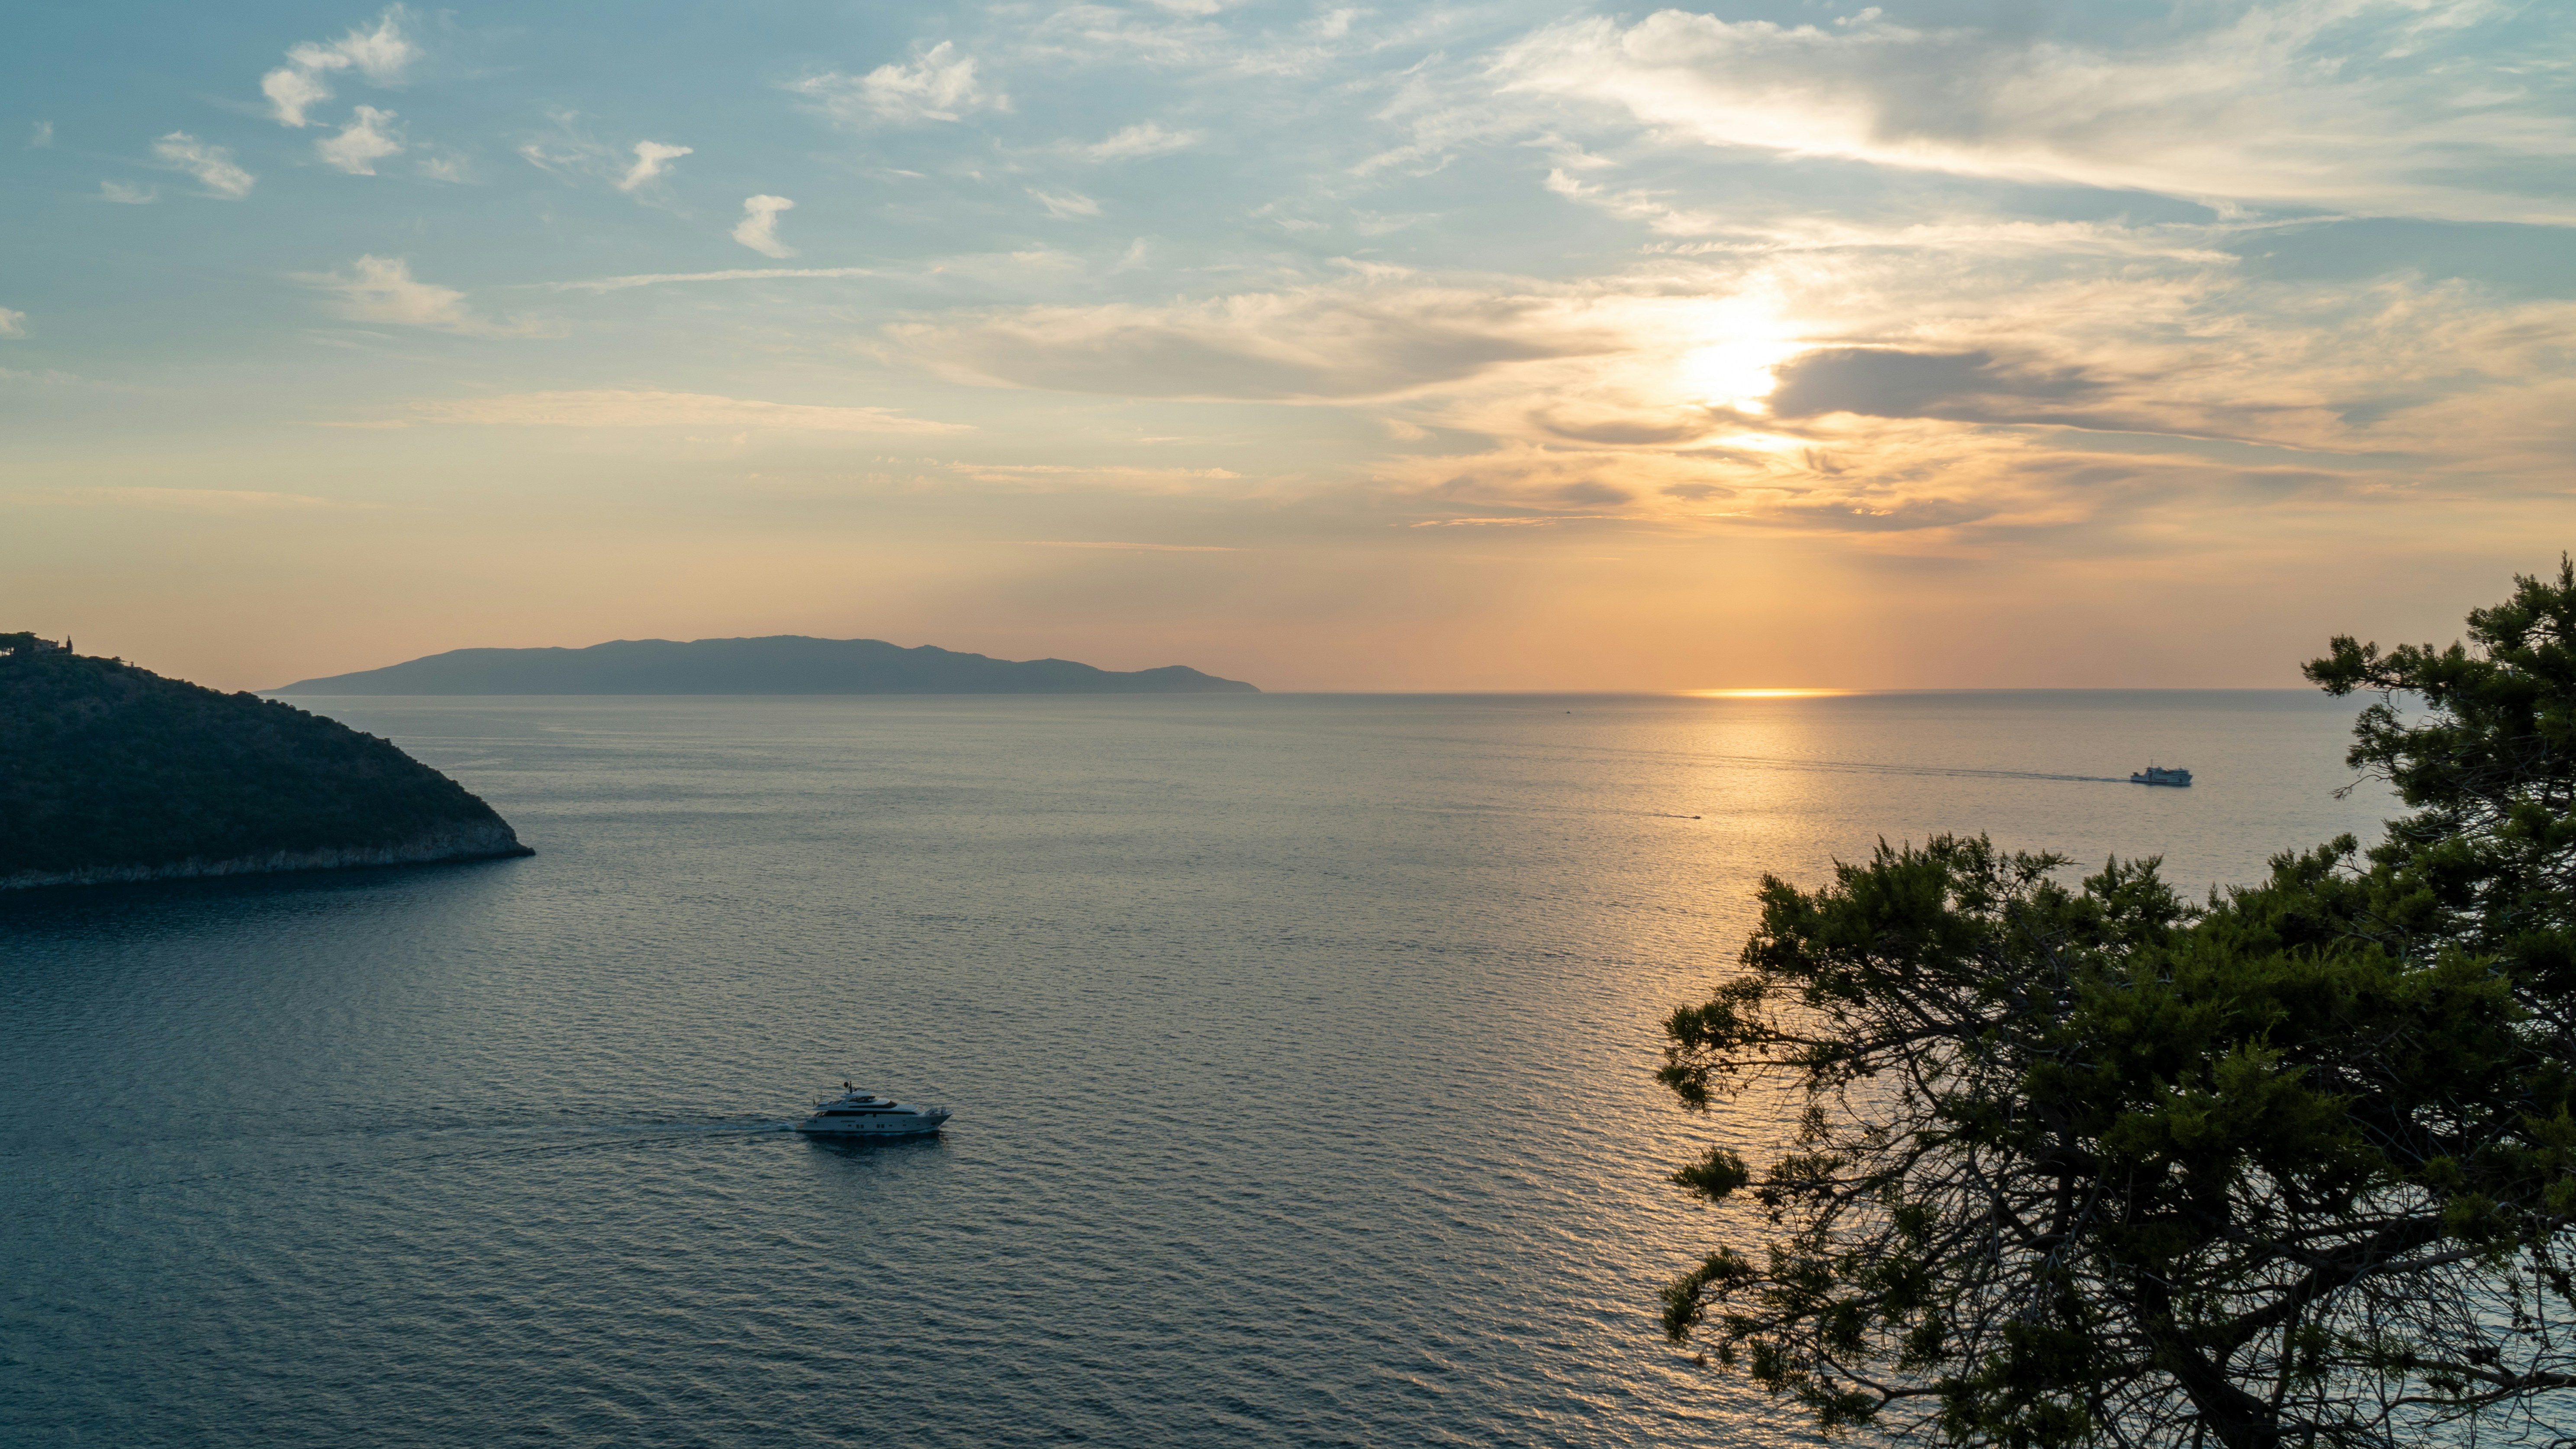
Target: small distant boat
{"x": 2159, "y": 775}
{"x": 865, "y": 1114}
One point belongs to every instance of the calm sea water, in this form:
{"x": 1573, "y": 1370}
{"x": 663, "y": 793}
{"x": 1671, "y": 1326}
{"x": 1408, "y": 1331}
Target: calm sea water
{"x": 1300, "y": 1048}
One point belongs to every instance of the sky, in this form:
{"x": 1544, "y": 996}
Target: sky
{"x": 1439, "y": 347}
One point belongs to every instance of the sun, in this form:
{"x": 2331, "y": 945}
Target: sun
{"x": 1733, "y": 367}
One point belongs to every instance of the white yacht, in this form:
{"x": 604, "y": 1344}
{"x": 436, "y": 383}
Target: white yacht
{"x": 865, "y": 1114}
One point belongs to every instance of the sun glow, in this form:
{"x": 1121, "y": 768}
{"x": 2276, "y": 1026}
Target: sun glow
{"x": 1734, "y": 368}
{"x": 1764, "y": 693}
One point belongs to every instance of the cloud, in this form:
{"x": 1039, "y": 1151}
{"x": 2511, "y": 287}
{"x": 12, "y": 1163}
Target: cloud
{"x": 12, "y": 323}
{"x": 2297, "y": 102}
{"x": 1376, "y": 336}
{"x": 1698, "y": 488}
{"x": 362, "y": 143}
{"x": 1148, "y": 139}
{"x": 569, "y": 150}
{"x": 41, "y": 136}
{"x": 443, "y": 168}
{"x": 612, "y": 408}
{"x": 939, "y": 85}
{"x": 381, "y": 55}
{"x": 739, "y": 274}
{"x": 211, "y": 165}
{"x": 382, "y": 289}
{"x": 1067, "y": 205}
{"x": 124, "y": 194}
{"x": 758, "y": 228}
{"x": 292, "y": 93}
{"x": 2098, "y": 391}
{"x": 1960, "y": 380}
{"x": 652, "y": 158}
{"x": 1960, "y": 386}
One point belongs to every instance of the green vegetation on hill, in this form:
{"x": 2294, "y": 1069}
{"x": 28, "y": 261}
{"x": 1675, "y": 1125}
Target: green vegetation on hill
{"x": 108, "y": 771}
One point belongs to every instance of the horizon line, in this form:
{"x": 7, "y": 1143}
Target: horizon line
{"x": 1751, "y": 694}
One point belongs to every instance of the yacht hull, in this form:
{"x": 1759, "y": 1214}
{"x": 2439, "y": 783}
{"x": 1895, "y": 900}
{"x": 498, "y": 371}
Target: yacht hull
{"x": 918, "y": 1127}
{"x": 865, "y": 1114}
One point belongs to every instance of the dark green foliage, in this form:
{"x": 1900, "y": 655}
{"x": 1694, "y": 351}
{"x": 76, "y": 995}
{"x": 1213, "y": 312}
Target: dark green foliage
{"x": 2490, "y": 855}
{"x": 104, "y": 764}
{"x": 2084, "y": 1165}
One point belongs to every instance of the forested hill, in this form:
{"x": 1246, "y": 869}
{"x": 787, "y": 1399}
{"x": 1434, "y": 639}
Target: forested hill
{"x": 110, "y": 772}
{"x": 779, "y": 664}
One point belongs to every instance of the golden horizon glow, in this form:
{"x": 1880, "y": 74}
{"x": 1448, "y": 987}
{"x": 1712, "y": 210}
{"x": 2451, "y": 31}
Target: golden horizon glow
{"x": 1800, "y": 693}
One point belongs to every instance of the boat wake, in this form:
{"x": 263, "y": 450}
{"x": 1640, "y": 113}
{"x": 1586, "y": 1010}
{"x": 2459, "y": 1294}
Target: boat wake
{"x": 1859, "y": 767}
{"x": 484, "y": 1144}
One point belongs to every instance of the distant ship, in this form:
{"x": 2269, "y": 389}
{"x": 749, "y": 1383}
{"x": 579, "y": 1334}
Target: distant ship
{"x": 865, "y": 1114}
{"x": 2159, "y": 775}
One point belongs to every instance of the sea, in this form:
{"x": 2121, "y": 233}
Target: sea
{"x": 1301, "y": 1051}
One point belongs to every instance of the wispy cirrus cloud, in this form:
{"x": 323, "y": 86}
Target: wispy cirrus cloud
{"x": 127, "y": 194}
{"x": 2279, "y": 103}
{"x": 381, "y": 54}
{"x": 737, "y": 274}
{"x": 1371, "y": 336}
{"x": 1065, "y": 205}
{"x": 940, "y": 84}
{"x": 1146, "y": 139}
{"x": 382, "y": 289}
{"x": 622, "y": 409}
{"x": 13, "y": 323}
{"x": 213, "y": 166}
{"x": 40, "y": 136}
{"x": 758, "y": 228}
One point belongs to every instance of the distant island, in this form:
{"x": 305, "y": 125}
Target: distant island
{"x": 109, "y": 772}
{"x": 777, "y": 664}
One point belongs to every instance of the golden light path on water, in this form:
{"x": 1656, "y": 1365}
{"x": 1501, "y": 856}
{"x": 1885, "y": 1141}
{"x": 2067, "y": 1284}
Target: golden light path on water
{"x": 1762, "y": 693}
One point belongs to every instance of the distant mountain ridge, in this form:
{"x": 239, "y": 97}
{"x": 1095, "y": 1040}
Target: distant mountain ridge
{"x": 776, "y": 664}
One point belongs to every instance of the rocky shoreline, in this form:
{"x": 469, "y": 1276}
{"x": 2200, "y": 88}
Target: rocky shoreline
{"x": 474, "y": 842}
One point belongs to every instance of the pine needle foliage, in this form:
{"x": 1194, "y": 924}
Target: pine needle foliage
{"x": 2082, "y": 1164}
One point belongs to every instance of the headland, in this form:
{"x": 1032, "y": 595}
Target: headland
{"x": 113, "y": 773}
